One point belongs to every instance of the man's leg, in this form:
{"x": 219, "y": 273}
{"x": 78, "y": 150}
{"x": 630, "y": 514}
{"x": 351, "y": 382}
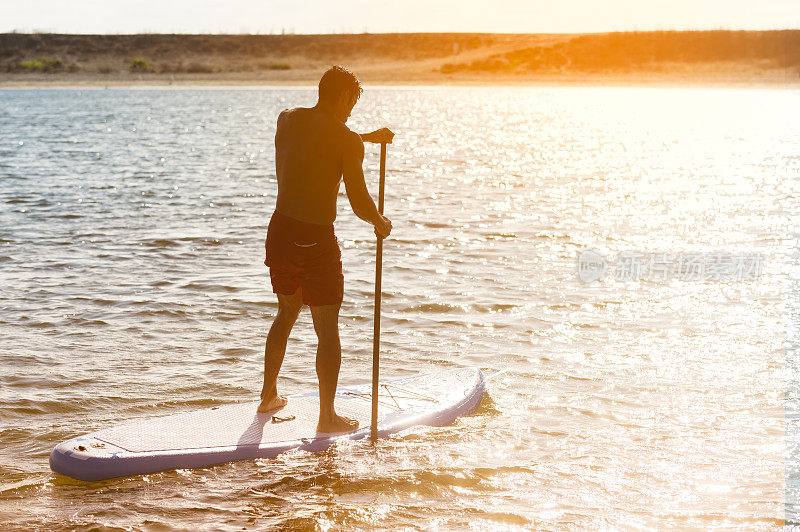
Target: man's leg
{"x": 288, "y": 309}
{"x": 329, "y": 357}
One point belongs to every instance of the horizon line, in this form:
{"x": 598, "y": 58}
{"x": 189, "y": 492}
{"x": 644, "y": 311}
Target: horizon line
{"x": 18, "y": 31}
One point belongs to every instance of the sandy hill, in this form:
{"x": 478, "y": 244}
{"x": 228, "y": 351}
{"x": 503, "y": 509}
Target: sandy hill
{"x": 403, "y": 57}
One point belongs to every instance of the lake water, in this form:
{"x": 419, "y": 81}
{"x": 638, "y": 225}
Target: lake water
{"x": 132, "y": 285}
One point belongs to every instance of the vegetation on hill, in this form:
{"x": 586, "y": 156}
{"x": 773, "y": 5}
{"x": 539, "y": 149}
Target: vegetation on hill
{"x": 228, "y": 53}
{"x": 632, "y": 51}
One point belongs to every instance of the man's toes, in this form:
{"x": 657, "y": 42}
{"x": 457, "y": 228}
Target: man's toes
{"x": 272, "y": 404}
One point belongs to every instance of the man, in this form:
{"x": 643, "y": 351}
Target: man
{"x": 314, "y": 150}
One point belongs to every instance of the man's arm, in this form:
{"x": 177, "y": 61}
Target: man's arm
{"x": 380, "y": 136}
{"x": 360, "y": 200}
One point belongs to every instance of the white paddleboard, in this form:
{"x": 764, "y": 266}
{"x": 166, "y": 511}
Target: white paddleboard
{"x": 237, "y": 432}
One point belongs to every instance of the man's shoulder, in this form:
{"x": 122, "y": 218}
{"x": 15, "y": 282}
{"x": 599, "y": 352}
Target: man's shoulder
{"x": 337, "y": 125}
{"x": 352, "y": 140}
{"x": 339, "y": 130}
{"x": 291, "y": 111}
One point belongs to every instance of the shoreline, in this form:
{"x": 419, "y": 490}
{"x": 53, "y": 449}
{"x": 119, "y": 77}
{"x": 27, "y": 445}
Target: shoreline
{"x": 310, "y": 79}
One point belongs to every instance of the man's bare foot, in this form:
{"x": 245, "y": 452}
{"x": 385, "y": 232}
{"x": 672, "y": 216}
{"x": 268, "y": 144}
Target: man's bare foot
{"x": 337, "y": 424}
{"x": 277, "y": 401}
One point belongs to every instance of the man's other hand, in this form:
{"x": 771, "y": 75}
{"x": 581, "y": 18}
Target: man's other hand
{"x": 380, "y": 136}
{"x": 384, "y": 227}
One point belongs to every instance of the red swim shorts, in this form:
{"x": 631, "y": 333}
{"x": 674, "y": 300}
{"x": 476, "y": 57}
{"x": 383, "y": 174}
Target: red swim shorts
{"x": 306, "y": 256}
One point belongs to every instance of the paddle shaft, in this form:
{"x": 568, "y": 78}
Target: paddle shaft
{"x": 376, "y": 332}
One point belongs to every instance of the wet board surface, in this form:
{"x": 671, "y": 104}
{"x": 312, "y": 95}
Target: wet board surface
{"x": 237, "y": 432}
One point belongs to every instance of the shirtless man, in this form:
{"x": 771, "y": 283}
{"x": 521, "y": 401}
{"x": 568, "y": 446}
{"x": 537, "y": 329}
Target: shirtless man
{"x": 314, "y": 150}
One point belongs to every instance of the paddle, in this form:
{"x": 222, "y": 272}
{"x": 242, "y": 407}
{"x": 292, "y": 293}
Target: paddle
{"x": 376, "y": 333}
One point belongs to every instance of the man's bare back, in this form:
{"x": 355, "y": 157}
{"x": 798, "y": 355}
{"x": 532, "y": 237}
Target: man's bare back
{"x": 309, "y": 148}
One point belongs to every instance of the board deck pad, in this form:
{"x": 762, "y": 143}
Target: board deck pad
{"x": 238, "y": 431}
{"x": 235, "y": 425}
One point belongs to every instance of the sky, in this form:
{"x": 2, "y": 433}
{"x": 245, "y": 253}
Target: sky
{"x": 378, "y": 16}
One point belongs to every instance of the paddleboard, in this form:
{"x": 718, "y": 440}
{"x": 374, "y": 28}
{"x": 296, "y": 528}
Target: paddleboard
{"x": 238, "y": 432}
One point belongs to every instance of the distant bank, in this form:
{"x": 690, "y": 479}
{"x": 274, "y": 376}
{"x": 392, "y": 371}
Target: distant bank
{"x": 652, "y": 57}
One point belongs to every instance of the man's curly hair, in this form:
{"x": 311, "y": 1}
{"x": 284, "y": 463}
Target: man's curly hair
{"x": 337, "y": 80}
